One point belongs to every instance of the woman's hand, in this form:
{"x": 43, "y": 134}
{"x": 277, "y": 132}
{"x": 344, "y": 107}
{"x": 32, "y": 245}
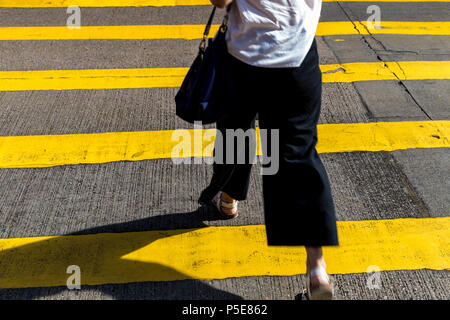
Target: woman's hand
{"x": 221, "y": 3}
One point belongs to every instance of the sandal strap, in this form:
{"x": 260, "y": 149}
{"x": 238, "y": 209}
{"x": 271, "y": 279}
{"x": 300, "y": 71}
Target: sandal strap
{"x": 229, "y": 205}
{"x": 218, "y": 202}
{"x": 320, "y": 272}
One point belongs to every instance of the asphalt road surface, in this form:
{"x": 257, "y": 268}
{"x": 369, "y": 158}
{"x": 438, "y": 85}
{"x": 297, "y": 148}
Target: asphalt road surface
{"x": 134, "y": 228}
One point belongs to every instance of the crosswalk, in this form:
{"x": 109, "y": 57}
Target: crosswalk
{"x": 238, "y": 252}
{"x": 53, "y": 150}
{"x": 173, "y": 77}
{"x": 190, "y": 32}
{"x": 213, "y": 252}
{"x": 140, "y": 3}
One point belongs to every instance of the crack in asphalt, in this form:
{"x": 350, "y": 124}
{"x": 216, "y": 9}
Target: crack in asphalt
{"x": 411, "y": 190}
{"x": 400, "y": 81}
{"x": 340, "y": 69}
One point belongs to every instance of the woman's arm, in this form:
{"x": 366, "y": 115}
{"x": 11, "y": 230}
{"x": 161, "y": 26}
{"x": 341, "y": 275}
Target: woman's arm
{"x": 221, "y": 3}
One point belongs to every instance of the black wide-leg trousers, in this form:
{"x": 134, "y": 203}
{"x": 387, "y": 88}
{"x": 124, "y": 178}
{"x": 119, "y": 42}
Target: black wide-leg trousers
{"x": 298, "y": 205}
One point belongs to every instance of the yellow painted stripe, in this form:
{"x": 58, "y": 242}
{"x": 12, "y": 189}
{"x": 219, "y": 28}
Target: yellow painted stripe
{"x": 91, "y": 79}
{"x": 53, "y": 150}
{"x": 402, "y": 70}
{"x": 106, "y": 32}
{"x": 173, "y": 77}
{"x": 407, "y": 27}
{"x": 101, "y": 3}
{"x": 219, "y": 252}
{"x": 190, "y": 32}
{"x": 142, "y": 3}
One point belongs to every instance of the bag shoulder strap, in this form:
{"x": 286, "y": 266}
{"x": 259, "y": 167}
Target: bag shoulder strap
{"x": 208, "y": 24}
{"x": 223, "y": 27}
{"x": 211, "y": 17}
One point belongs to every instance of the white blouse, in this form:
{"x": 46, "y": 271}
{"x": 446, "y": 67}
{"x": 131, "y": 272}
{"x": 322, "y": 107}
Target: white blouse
{"x": 272, "y": 33}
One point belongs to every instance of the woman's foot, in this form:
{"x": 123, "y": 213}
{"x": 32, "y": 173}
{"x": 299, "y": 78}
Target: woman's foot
{"x": 226, "y": 205}
{"x": 318, "y": 284}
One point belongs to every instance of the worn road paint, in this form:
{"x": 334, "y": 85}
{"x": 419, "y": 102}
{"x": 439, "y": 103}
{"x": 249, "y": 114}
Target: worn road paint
{"x": 173, "y": 77}
{"x": 190, "y": 32}
{"x": 53, "y": 150}
{"x": 218, "y": 253}
{"x": 141, "y": 3}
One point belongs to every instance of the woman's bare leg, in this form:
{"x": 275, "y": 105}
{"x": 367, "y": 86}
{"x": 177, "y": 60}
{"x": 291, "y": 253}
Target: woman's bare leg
{"x": 315, "y": 259}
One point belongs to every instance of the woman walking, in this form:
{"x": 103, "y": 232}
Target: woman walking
{"x": 274, "y": 71}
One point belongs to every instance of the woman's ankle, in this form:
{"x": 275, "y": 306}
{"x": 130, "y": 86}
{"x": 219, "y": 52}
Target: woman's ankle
{"x": 314, "y": 258}
{"x": 227, "y": 198}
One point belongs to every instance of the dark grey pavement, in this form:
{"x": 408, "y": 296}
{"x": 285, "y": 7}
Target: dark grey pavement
{"x": 148, "y": 195}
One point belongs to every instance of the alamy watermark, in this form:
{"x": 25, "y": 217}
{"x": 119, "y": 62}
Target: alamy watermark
{"x": 74, "y": 19}
{"x": 374, "y": 20}
{"x": 239, "y": 147}
{"x": 374, "y": 280}
{"x": 74, "y": 280}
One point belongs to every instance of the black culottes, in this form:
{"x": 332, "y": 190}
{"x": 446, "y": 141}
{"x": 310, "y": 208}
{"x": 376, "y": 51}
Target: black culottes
{"x": 298, "y": 205}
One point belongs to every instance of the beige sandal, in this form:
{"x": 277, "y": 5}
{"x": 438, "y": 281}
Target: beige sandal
{"x": 219, "y": 203}
{"x": 321, "y": 291}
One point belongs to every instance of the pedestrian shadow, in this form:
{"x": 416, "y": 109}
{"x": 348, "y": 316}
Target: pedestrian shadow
{"x": 14, "y": 263}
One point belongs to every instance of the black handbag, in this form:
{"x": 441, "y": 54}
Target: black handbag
{"x": 205, "y": 94}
